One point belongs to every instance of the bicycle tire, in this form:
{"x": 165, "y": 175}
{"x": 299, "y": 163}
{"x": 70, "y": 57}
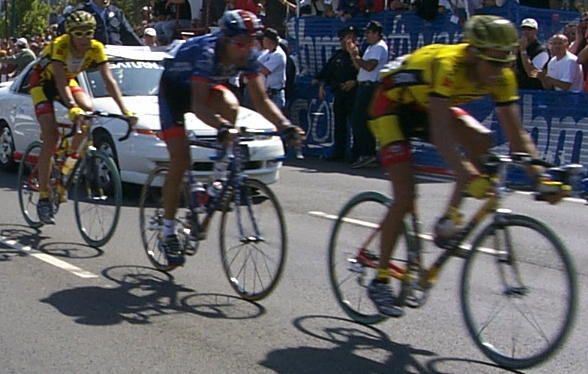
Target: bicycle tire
{"x": 97, "y": 196}
{"x": 28, "y": 185}
{"x": 257, "y": 206}
{"x": 354, "y": 229}
{"x": 544, "y": 327}
{"x": 151, "y": 219}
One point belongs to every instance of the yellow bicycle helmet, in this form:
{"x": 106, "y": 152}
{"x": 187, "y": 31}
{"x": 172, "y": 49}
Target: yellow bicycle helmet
{"x": 491, "y": 32}
{"x": 79, "y": 19}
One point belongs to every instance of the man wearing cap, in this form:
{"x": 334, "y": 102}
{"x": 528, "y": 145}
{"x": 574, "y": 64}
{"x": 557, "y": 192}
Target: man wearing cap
{"x": 150, "y": 37}
{"x": 339, "y": 74}
{"x": 532, "y": 56}
{"x": 22, "y": 56}
{"x": 374, "y": 58}
{"x": 273, "y": 67}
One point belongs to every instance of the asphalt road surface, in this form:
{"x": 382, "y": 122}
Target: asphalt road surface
{"x": 70, "y": 308}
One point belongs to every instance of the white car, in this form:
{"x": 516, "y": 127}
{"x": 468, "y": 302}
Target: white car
{"x": 137, "y": 71}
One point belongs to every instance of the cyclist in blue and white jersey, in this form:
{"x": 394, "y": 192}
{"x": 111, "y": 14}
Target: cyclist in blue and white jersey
{"x": 193, "y": 81}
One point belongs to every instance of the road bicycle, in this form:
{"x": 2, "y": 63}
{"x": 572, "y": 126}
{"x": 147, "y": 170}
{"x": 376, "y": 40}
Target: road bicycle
{"x": 93, "y": 183}
{"x": 252, "y": 231}
{"x": 518, "y": 285}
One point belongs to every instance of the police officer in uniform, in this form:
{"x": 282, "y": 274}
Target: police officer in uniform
{"x": 112, "y": 27}
{"x": 340, "y": 75}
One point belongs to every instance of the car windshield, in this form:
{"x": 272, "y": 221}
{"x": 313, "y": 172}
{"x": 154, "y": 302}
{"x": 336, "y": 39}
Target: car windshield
{"x": 134, "y": 78}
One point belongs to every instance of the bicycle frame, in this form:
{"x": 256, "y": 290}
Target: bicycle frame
{"x": 427, "y": 277}
{"x": 237, "y": 154}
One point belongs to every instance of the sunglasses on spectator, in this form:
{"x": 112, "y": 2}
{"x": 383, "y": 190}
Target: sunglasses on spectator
{"x": 82, "y": 33}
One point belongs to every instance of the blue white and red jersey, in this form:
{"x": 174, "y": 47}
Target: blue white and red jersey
{"x": 197, "y": 58}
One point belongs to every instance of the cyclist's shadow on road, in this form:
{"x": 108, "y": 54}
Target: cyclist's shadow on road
{"x": 361, "y": 349}
{"x": 141, "y": 293}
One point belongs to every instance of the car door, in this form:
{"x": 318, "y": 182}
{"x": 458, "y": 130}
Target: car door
{"x": 22, "y": 113}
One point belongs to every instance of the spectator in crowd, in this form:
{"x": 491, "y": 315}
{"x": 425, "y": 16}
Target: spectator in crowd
{"x": 273, "y": 67}
{"x": 21, "y": 58}
{"x": 112, "y": 27}
{"x": 374, "y": 58}
{"x": 579, "y": 41}
{"x": 532, "y": 56}
{"x": 348, "y": 8}
{"x": 150, "y": 37}
{"x": 312, "y": 7}
{"x": 5, "y": 69}
{"x": 250, "y": 5}
{"x": 563, "y": 71}
{"x": 569, "y": 30}
{"x": 339, "y": 73}
{"x": 277, "y": 12}
{"x": 171, "y": 15}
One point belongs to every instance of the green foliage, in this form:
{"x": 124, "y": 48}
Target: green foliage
{"x": 31, "y": 17}
{"x": 35, "y": 20}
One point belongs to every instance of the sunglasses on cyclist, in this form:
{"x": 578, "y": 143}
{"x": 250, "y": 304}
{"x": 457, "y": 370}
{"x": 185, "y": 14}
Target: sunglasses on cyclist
{"x": 82, "y": 33}
{"x": 241, "y": 44}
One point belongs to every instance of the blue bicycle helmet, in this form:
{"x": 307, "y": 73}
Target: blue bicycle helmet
{"x": 240, "y": 22}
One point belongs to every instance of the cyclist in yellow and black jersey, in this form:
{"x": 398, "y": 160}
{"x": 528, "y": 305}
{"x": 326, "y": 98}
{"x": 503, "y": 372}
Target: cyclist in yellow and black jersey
{"x": 54, "y": 79}
{"x": 418, "y": 97}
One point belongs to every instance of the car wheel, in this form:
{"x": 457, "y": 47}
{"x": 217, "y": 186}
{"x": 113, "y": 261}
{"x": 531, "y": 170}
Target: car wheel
{"x": 6, "y": 148}
{"x": 103, "y": 142}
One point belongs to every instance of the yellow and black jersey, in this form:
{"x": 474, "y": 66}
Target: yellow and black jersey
{"x": 440, "y": 70}
{"x": 60, "y": 50}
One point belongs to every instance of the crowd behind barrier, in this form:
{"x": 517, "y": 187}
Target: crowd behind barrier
{"x": 557, "y": 120}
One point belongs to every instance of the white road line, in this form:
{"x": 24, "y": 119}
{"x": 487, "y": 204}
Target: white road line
{"x": 47, "y": 258}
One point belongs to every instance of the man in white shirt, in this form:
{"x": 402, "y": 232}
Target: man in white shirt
{"x": 273, "y": 67}
{"x": 374, "y": 58}
{"x": 563, "y": 71}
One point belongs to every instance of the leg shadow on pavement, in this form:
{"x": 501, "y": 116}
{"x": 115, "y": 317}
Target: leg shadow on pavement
{"x": 138, "y": 295}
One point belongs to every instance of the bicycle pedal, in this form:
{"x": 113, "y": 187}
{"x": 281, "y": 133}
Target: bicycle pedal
{"x": 354, "y": 265}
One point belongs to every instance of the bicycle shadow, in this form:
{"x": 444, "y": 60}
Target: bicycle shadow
{"x": 139, "y": 294}
{"x": 353, "y": 344}
{"x": 70, "y": 250}
{"x": 25, "y": 236}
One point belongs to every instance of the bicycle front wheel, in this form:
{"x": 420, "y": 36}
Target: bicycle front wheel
{"x": 97, "y": 198}
{"x": 518, "y": 292}
{"x": 354, "y": 248}
{"x": 253, "y": 240}
{"x": 28, "y": 185}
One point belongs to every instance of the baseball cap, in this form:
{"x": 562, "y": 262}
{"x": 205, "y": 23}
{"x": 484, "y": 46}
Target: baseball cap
{"x": 22, "y": 42}
{"x": 150, "y": 31}
{"x": 530, "y": 23}
{"x": 374, "y": 26}
{"x": 347, "y": 30}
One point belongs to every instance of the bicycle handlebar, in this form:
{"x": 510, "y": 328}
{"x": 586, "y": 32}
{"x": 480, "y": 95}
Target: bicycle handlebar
{"x": 127, "y": 119}
{"x": 98, "y": 113}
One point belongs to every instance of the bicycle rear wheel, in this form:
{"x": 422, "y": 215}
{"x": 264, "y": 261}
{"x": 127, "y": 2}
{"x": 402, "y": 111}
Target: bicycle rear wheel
{"x": 518, "y": 292}
{"x": 97, "y": 198}
{"x": 357, "y": 228}
{"x": 28, "y": 185}
{"x": 253, "y": 240}
{"x": 151, "y": 219}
